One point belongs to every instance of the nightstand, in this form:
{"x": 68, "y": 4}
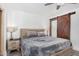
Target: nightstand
{"x": 13, "y": 44}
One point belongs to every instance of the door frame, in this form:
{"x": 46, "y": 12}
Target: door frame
{"x": 3, "y": 51}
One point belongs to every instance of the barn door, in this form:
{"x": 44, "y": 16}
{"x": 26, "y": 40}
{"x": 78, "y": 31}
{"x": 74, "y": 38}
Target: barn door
{"x": 63, "y": 26}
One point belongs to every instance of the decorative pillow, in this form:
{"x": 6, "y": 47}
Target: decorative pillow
{"x": 32, "y": 34}
{"x": 40, "y": 34}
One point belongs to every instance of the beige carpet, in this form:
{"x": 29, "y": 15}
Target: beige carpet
{"x": 18, "y": 53}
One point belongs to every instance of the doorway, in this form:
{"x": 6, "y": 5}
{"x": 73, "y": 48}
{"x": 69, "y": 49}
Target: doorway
{"x": 54, "y": 28}
{"x": 60, "y": 26}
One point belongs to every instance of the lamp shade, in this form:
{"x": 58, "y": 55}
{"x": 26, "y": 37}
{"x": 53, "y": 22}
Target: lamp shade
{"x": 11, "y": 29}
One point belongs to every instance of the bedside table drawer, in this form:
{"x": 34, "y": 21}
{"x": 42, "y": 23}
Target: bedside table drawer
{"x": 12, "y": 48}
{"x": 13, "y": 44}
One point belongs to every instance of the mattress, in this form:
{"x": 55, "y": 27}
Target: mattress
{"x": 42, "y": 46}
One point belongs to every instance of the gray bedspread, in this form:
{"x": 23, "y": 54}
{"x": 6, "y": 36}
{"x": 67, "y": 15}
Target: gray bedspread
{"x": 42, "y": 46}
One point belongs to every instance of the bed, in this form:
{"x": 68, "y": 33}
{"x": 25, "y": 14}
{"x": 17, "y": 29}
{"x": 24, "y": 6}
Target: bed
{"x": 42, "y": 45}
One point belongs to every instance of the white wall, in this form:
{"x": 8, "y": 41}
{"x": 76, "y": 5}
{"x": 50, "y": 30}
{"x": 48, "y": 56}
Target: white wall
{"x": 22, "y": 19}
{"x": 75, "y": 30}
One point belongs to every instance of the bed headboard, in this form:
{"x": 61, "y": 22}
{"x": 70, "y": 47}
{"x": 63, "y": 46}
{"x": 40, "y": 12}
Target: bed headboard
{"x": 23, "y": 31}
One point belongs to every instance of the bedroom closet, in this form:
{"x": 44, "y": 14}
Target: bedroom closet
{"x": 60, "y": 26}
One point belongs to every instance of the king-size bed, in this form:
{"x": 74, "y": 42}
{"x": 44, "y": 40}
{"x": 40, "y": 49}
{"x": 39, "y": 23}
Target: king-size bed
{"x": 41, "y": 45}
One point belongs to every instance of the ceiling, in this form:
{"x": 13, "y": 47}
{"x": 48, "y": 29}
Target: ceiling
{"x": 38, "y": 8}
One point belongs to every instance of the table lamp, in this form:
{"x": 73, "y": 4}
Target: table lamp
{"x": 11, "y": 30}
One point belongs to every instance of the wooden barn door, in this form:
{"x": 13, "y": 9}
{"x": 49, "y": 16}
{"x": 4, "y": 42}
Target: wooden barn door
{"x": 63, "y": 26}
